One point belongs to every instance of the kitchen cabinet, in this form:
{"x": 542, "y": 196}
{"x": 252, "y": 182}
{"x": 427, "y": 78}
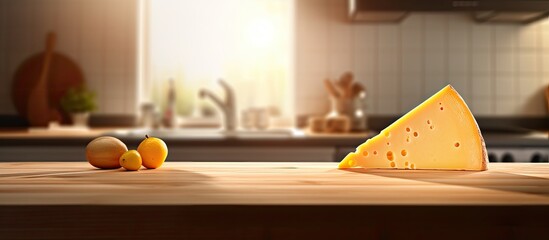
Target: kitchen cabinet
{"x": 22, "y": 146}
{"x": 272, "y": 201}
{"x": 177, "y": 153}
{"x": 254, "y": 154}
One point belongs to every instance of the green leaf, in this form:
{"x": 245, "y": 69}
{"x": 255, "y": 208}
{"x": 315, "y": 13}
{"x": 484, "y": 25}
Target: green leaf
{"x": 78, "y": 99}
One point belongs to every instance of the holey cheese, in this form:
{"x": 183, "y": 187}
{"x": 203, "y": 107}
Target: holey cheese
{"x": 440, "y": 133}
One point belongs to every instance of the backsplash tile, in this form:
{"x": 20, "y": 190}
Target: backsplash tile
{"x": 458, "y": 62}
{"x": 505, "y": 87}
{"x": 482, "y": 62}
{"x": 529, "y": 60}
{"x": 460, "y": 81}
{"x": 481, "y": 35}
{"x": 482, "y": 85}
{"x": 528, "y": 36}
{"x": 505, "y": 36}
{"x": 506, "y": 61}
{"x": 483, "y": 106}
{"x": 507, "y": 106}
{"x": 499, "y": 69}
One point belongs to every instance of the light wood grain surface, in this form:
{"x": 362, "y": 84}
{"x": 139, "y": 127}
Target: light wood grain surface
{"x": 187, "y": 183}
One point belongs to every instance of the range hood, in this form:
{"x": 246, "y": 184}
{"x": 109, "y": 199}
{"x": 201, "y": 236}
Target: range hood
{"x": 513, "y": 11}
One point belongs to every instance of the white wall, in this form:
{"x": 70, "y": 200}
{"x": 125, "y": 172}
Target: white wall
{"x": 99, "y": 35}
{"x": 499, "y": 69}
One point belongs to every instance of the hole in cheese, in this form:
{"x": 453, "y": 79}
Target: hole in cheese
{"x": 403, "y": 152}
{"x": 390, "y": 156}
{"x": 365, "y": 153}
{"x": 429, "y": 122}
{"x": 387, "y": 134}
{"x": 408, "y": 139}
{"x": 416, "y": 134}
{"x": 432, "y": 127}
{"x": 441, "y": 108}
{"x": 375, "y": 152}
{"x": 406, "y": 164}
{"x": 412, "y": 166}
{"x": 456, "y": 144}
{"x": 388, "y": 144}
{"x": 408, "y": 129}
{"x": 393, "y": 164}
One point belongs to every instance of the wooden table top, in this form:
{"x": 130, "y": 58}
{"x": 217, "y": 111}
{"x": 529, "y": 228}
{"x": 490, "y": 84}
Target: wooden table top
{"x": 188, "y": 183}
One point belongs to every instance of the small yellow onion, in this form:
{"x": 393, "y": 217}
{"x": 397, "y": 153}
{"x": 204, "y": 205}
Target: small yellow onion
{"x": 104, "y": 152}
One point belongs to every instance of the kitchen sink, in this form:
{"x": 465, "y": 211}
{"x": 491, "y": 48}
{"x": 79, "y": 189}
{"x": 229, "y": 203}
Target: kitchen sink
{"x": 206, "y": 133}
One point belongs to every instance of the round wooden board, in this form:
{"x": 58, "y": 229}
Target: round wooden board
{"x": 64, "y": 74}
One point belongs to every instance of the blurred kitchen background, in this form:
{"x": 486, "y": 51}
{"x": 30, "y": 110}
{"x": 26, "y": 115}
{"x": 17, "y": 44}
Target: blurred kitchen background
{"x": 265, "y": 80}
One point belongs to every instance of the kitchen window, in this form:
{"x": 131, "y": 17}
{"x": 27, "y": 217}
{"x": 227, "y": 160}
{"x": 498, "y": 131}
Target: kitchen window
{"x": 248, "y": 43}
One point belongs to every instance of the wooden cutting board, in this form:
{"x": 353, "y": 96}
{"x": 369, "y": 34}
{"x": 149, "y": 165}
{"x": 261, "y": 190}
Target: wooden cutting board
{"x": 190, "y": 183}
{"x": 41, "y": 81}
{"x": 547, "y": 97}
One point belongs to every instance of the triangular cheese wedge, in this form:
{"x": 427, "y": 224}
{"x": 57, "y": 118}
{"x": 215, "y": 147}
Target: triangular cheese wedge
{"x": 440, "y": 133}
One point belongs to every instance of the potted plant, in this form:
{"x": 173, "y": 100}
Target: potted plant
{"x": 79, "y": 102}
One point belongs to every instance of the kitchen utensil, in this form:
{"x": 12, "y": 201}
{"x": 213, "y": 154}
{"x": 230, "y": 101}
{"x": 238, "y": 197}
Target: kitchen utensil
{"x": 357, "y": 89}
{"x": 38, "y": 107}
{"x": 340, "y": 106}
{"x": 547, "y": 97}
{"x": 345, "y": 83}
{"x": 41, "y": 81}
{"x": 331, "y": 88}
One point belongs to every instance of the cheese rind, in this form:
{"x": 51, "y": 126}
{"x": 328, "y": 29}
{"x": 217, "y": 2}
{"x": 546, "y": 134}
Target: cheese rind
{"x": 441, "y": 133}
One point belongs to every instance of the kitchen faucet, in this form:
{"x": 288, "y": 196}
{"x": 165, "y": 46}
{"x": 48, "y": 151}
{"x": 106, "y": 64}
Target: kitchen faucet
{"x": 228, "y": 107}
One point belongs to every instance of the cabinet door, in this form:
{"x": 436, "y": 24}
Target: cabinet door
{"x": 341, "y": 152}
{"x": 42, "y": 154}
{"x": 198, "y": 154}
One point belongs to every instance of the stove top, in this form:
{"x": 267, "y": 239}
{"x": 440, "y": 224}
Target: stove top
{"x": 534, "y": 139}
{"x": 531, "y": 147}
